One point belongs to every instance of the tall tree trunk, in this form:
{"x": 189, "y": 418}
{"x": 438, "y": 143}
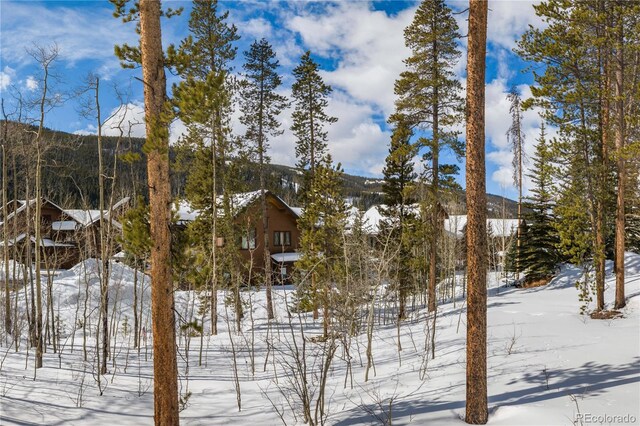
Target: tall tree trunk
{"x": 620, "y": 301}
{"x": 601, "y": 167}
{"x": 165, "y": 369}
{"x": 476, "y": 412}
{"x": 435, "y": 207}
{"x": 5, "y": 232}
{"x": 263, "y": 198}
{"x": 104, "y": 259}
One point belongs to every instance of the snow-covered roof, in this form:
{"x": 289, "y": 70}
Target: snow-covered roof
{"x": 372, "y": 217}
{"x": 23, "y": 206}
{"x": 17, "y": 239}
{"x": 297, "y": 210}
{"x": 64, "y": 225}
{"x": 46, "y": 242}
{"x": 500, "y": 227}
{"x": 88, "y": 217}
{"x": 286, "y": 257}
{"x": 186, "y": 213}
{"x": 83, "y": 217}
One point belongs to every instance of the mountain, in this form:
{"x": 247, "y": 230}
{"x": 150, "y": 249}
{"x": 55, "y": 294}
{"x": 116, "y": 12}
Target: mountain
{"x": 70, "y": 173}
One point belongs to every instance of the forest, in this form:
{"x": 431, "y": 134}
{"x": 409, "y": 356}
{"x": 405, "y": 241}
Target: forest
{"x": 395, "y": 299}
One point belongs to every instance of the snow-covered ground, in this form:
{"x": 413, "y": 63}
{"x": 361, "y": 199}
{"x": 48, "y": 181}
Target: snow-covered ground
{"x": 546, "y": 363}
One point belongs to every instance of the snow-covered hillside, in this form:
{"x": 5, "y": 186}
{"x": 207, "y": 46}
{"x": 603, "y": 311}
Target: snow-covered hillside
{"x": 546, "y": 362}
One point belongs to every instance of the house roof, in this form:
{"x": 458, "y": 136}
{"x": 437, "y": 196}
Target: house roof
{"x": 286, "y": 257}
{"x": 83, "y": 217}
{"x": 239, "y": 202}
{"x": 500, "y": 227}
{"x": 64, "y": 225}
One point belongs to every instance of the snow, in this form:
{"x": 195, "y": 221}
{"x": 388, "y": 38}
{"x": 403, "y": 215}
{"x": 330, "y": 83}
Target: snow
{"x": 546, "y": 362}
{"x": 286, "y": 257}
{"x": 64, "y": 225}
{"x": 83, "y": 217}
{"x": 500, "y": 227}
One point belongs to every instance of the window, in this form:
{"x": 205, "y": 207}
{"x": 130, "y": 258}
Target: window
{"x": 249, "y": 240}
{"x": 282, "y": 238}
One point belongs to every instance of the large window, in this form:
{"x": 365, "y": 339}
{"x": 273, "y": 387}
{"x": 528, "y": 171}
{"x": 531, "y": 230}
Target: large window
{"x": 249, "y": 240}
{"x": 282, "y": 238}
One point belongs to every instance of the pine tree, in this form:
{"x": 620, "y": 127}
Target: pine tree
{"x": 204, "y": 103}
{"x": 260, "y": 105}
{"x": 151, "y": 56}
{"x": 538, "y": 254}
{"x": 574, "y": 89}
{"x": 477, "y": 410}
{"x": 399, "y": 212}
{"x": 429, "y": 100}
{"x": 310, "y": 95}
{"x": 321, "y": 228}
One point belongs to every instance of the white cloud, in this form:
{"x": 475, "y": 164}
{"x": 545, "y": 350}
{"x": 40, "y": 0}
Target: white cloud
{"x": 80, "y": 33}
{"x": 31, "y": 83}
{"x": 368, "y": 47}
{"x": 256, "y": 28}
{"x": 6, "y": 76}
{"x": 498, "y": 121}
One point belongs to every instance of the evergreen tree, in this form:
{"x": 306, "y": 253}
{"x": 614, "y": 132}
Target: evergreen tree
{"x": 538, "y": 254}
{"x": 575, "y": 93}
{"x": 204, "y": 103}
{"x": 151, "y": 56}
{"x": 429, "y": 99}
{"x": 310, "y": 94}
{"x": 399, "y": 212}
{"x": 260, "y": 106}
{"x": 321, "y": 229}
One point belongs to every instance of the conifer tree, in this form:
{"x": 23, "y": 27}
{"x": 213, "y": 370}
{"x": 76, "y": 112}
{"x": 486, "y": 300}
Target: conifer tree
{"x": 321, "y": 229}
{"x": 204, "y": 102}
{"x": 574, "y": 90}
{"x": 399, "y": 212}
{"x": 150, "y": 55}
{"x": 538, "y": 254}
{"x": 310, "y": 95}
{"x": 260, "y": 105}
{"x": 136, "y": 242}
{"x": 429, "y": 100}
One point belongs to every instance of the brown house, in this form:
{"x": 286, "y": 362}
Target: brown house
{"x": 284, "y": 237}
{"x": 67, "y": 235}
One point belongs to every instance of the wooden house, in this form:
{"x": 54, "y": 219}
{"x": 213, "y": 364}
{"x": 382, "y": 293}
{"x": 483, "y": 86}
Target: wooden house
{"x": 67, "y": 235}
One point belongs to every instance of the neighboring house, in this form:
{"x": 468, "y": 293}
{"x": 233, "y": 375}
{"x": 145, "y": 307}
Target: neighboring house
{"x": 500, "y": 231}
{"x": 284, "y": 237}
{"x": 67, "y": 235}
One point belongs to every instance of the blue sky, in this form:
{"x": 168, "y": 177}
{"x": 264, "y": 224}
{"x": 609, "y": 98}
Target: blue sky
{"x": 359, "y": 45}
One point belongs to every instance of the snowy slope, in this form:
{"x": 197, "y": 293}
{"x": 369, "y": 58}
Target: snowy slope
{"x": 546, "y": 363}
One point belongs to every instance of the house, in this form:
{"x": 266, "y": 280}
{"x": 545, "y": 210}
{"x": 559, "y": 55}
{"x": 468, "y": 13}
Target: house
{"x": 284, "y": 236}
{"x": 67, "y": 235}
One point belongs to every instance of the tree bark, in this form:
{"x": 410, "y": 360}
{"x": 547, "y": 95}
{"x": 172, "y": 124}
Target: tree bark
{"x": 165, "y": 368}
{"x": 476, "y": 412}
{"x": 619, "y": 137}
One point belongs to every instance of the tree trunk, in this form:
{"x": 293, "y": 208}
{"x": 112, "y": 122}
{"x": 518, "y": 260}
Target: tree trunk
{"x": 476, "y": 412}
{"x": 619, "y": 136}
{"x": 165, "y": 369}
